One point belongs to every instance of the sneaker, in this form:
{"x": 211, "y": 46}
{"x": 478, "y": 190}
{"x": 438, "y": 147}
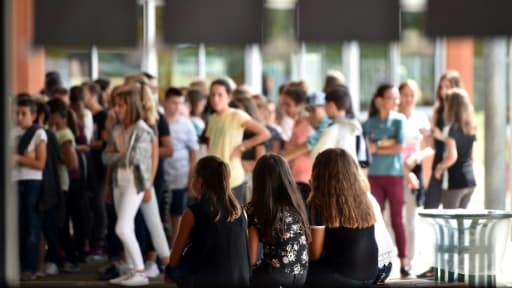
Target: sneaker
{"x": 109, "y": 273}
{"x": 404, "y": 272}
{"x": 28, "y": 276}
{"x": 71, "y": 268}
{"x": 151, "y": 269}
{"x": 136, "y": 279}
{"x": 119, "y": 279}
{"x": 40, "y": 273}
{"x": 51, "y": 269}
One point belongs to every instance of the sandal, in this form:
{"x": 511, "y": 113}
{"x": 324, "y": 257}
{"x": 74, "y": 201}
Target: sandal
{"x": 427, "y": 274}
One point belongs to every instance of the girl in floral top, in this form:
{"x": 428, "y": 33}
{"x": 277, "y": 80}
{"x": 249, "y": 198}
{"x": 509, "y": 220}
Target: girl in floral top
{"x": 277, "y": 218}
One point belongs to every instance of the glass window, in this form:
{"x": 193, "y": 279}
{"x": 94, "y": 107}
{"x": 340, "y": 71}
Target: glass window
{"x": 73, "y": 65}
{"x": 117, "y": 64}
{"x": 374, "y": 70}
{"x": 225, "y": 61}
{"x": 185, "y": 64}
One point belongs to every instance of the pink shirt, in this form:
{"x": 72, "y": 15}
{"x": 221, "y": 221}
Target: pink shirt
{"x": 301, "y": 166}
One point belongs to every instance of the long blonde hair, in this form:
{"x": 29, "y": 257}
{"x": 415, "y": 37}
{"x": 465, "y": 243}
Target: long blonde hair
{"x": 150, "y": 113}
{"x": 339, "y": 192}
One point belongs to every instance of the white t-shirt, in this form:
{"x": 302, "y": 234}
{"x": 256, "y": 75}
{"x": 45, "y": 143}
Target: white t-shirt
{"x": 413, "y": 126}
{"x": 341, "y": 134}
{"x": 25, "y": 173}
{"x": 88, "y": 125}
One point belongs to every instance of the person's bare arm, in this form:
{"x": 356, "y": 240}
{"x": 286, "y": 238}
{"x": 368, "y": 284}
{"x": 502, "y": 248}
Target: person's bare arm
{"x": 449, "y": 159}
{"x": 254, "y": 242}
{"x": 261, "y": 134}
{"x": 69, "y": 156}
{"x": 166, "y": 149}
{"x": 38, "y": 162}
{"x": 298, "y": 151}
{"x": 186, "y": 225}
{"x": 316, "y": 246}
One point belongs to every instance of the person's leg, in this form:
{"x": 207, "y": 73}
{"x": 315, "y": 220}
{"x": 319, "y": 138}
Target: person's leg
{"x": 34, "y": 225}
{"x": 433, "y": 193}
{"x": 179, "y": 203}
{"x": 50, "y": 232}
{"x": 451, "y": 198}
{"x": 377, "y": 190}
{"x": 22, "y": 226}
{"x": 129, "y": 201}
{"x": 77, "y": 202}
{"x": 410, "y": 219}
{"x": 464, "y": 201}
{"x": 155, "y": 227}
{"x": 395, "y": 191}
{"x": 420, "y": 192}
{"x": 98, "y": 220}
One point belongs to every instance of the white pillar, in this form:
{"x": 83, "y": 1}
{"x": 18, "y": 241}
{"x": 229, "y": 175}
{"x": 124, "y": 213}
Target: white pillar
{"x": 510, "y": 114}
{"x": 302, "y": 62}
{"x": 149, "y": 51}
{"x": 253, "y": 67}
{"x": 351, "y": 63}
{"x": 439, "y": 59}
{"x": 495, "y": 67}
{"x": 201, "y": 61}
{"x": 95, "y": 63}
{"x": 394, "y": 63}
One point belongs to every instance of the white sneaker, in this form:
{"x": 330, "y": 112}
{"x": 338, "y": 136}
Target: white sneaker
{"x": 151, "y": 269}
{"x": 51, "y": 269}
{"x": 137, "y": 279}
{"x": 118, "y": 280}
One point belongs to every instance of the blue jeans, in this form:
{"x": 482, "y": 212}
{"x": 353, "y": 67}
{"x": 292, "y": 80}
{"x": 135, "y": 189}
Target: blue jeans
{"x": 30, "y": 222}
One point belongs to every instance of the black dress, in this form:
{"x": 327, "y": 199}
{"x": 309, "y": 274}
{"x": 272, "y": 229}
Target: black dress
{"x": 218, "y": 250}
{"x": 349, "y": 258}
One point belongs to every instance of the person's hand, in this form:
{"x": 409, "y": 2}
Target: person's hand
{"x": 373, "y": 147}
{"x": 387, "y": 142}
{"x": 147, "y": 195}
{"x": 438, "y": 172}
{"x": 437, "y": 134}
{"x": 17, "y": 159}
{"x": 410, "y": 162}
{"x": 237, "y": 152}
{"x": 412, "y": 181}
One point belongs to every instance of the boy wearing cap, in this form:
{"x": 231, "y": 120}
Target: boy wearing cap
{"x": 317, "y": 118}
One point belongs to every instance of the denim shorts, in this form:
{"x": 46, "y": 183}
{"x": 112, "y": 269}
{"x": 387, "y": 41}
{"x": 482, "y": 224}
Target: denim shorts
{"x": 179, "y": 200}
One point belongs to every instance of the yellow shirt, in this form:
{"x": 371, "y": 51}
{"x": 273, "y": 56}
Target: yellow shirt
{"x": 225, "y": 131}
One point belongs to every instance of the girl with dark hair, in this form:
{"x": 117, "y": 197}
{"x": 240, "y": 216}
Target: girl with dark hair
{"x": 225, "y": 133}
{"x": 343, "y": 250}
{"x": 450, "y": 79}
{"x": 83, "y": 115}
{"x": 277, "y": 217}
{"x": 385, "y": 130}
{"x": 129, "y": 152}
{"x": 459, "y": 136}
{"x": 211, "y": 247}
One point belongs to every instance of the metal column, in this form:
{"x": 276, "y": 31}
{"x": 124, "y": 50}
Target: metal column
{"x": 253, "y": 68}
{"x": 495, "y": 53}
{"x": 394, "y": 63}
{"x": 149, "y": 52}
{"x": 351, "y": 63}
{"x": 95, "y": 63}
{"x": 439, "y": 60}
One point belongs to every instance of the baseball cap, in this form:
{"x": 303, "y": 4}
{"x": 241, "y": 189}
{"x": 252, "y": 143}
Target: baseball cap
{"x": 315, "y": 99}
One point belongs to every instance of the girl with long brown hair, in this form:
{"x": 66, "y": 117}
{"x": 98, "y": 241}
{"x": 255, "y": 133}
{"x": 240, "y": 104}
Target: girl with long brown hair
{"x": 457, "y": 165}
{"x": 343, "y": 250}
{"x": 277, "y": 218}
{"x": 212, "y": 233}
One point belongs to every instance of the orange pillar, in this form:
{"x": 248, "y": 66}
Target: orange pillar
{"x": 28, "y": 63}
{"x": 459, "y": 56}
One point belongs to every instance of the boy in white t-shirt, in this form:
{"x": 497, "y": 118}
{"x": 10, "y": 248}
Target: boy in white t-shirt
{"x": 30, "y": 160}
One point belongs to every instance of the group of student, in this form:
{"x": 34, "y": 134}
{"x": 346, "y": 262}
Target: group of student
{"x": 244, "y": 191}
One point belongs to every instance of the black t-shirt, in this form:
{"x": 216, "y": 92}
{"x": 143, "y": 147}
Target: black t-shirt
{"x": 351, "y": 253}
{"x": 438, "y": 145}
{"x": 218, "y": 250}
{"x": 460, "y": 174}
{"x": 97, "y": 168}
{"x": 288, "y": 252}
{"x": 163, "y": 131}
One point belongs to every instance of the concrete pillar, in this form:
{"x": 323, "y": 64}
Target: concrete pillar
{"x": 495, "y": 56}
{"x": 9, "y": 257}
{"x": 302, "y": 62}
{"x": 149, "y": 51}
{"x": 201, "y": 61}
{"x": 439, "y": 60}
{"x": 351, "y": 66}
{"x": 95, "y": 63}
{"x": 394, "y": 63}
{"x": 253, "y": 67}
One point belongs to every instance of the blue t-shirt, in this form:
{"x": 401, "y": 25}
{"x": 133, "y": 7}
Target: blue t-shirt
{"x": 315, "y": 136}
{"x": 390, "y": 128}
